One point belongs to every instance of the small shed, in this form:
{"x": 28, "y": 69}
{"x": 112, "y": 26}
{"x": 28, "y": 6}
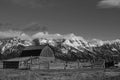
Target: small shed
{"x": 14, "y": 63}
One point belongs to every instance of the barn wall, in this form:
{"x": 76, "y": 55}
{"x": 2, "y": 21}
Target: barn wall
{"x": 52, "y": 63}
{"x": 56, "y": 65}
{"x": 44, "y": 65}
{"x": 109, "y": 64}
{"x": 72, "y": 65}
{"x": 10, "y": 64}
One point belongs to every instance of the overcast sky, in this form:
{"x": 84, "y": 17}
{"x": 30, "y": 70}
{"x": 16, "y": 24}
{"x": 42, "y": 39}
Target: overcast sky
{"x": 88, "y": 18}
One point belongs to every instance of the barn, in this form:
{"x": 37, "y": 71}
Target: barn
{"x": 15, "y": 63}
{"x": 31, "y": 55}
{"x": 40, "y": 57}
{"x": 46, "y": 58}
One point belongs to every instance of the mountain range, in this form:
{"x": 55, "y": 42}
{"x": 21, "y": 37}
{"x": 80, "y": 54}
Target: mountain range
{"x": 65, "y": 43}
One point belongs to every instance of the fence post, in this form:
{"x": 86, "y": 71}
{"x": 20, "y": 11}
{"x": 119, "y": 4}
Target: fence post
{"x": 78, "y": 64}
{"x": 104, "y": 64}
{"x": 48, "y": 65}
{"x": 39, "y": 63}
{"x": 29, "y": 74}
{"x": 30, "y": 62}
{"x": 65, "y": 65}
{"x": 92, "y": 63}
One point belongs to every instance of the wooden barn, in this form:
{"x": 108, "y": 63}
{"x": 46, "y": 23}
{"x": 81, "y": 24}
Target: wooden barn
{"x": 42, "y": 57}
{"x": 16, "y": 63}
{"x": 45, "y": 58}
{"x": 31, "y": 56}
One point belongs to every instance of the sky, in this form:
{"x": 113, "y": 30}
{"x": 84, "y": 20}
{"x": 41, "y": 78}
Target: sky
{"x": 87, "y": 18}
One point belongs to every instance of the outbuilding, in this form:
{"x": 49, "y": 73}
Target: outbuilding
{"x": 16, "y": 63}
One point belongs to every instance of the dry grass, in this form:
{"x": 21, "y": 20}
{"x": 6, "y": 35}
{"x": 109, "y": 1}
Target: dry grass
{"x": 58, "y": 75}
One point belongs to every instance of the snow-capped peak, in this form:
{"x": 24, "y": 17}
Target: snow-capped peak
{"x": 95, "y": 42}
{"x": 75, "y": 41}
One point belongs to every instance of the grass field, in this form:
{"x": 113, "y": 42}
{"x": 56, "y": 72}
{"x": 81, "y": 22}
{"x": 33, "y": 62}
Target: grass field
{"x": 86, "y": 74}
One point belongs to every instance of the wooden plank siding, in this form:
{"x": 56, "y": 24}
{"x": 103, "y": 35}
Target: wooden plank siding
{"x": 53, "y": 63}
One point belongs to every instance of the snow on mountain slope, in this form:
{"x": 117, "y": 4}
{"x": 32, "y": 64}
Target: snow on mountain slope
{"x": 70, "y": 39}
{"x": 69, "y": 43}
{"x": 95, "y": 42}
{"x": 15, "y": 41}
{"x": 45, "y": 37}
{"x": 75, "y": 41}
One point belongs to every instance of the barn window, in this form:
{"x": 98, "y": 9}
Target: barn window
{"x": 51, "y": 61}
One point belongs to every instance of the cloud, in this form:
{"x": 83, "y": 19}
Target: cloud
{"x": 33, "y": 3}
{"x": 28, "y": 28}
{"x": 7, "y": 26}
{"x": 109, "y": 3}
{"x": 12, "y": 33}
{"x": 34, "y": 27}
